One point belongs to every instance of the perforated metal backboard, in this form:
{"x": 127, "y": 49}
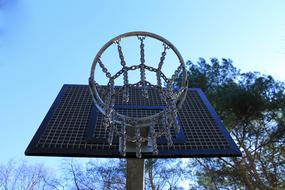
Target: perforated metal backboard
{"x": 73, "y": 127}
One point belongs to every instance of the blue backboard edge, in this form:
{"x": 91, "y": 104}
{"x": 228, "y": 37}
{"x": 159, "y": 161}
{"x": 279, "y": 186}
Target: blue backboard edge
{"x": 218, "y": 120}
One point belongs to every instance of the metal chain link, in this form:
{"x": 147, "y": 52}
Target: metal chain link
{"x": 142, "y": 67}
{"x": 104, "y": 69}
{"x": 123, "y": 139}
{"x": 173, "y": 115}
{"x": 109, "y": 116}
{"x": 153, "y": 138}
{"x": 121, "y": 55}
{"x": 111, "y": 133}
{"x": 167, "y": 128}
{"x": 162, "y": 58}
{"x": 125, "y": 71}
{"x": 177, "y": 72}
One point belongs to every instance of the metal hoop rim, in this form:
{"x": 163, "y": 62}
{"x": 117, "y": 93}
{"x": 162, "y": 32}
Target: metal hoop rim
{"x": 128, "y": 34}
{"x": 92, "y": 83}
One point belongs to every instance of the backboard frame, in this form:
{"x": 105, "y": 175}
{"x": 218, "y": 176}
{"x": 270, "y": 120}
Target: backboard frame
{"x": 67, "y": 151}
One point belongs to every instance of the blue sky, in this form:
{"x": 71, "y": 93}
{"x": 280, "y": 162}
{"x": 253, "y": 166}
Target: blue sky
{"x": 45, "y": 44}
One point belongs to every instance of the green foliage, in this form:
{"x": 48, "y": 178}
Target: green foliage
{"x": 251, "y": 106}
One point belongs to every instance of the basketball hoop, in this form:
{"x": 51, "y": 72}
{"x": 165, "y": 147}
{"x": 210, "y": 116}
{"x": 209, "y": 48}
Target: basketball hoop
{"x": 156, "y": 125}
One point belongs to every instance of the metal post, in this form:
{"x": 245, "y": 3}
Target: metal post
{"x": 135, "y": 174}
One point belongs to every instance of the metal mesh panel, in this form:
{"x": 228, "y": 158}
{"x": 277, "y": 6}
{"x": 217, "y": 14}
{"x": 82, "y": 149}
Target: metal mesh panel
{"x": 64, "y": 131}
{"x": 97, "y": 132}
{"x": 68, "y": 123}
{"x": 135, "y": 96}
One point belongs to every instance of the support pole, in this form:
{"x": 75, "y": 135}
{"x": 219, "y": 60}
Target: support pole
{"x": 135, "y": 174}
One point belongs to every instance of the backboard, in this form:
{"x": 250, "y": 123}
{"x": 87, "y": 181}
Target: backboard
{"x": 74, "y": 127}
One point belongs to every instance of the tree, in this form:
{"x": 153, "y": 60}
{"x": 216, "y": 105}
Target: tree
{"x": 160, "y": 174}
{"x": 252, "y": 107}
{"x": 111, "y": 175}
{"x": 21, "y": 175}
{"x": 95, "y": 175}
{"x": 164, "y": 173}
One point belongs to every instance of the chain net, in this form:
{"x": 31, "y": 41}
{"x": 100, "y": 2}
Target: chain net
{"x": 156, "y": 125}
